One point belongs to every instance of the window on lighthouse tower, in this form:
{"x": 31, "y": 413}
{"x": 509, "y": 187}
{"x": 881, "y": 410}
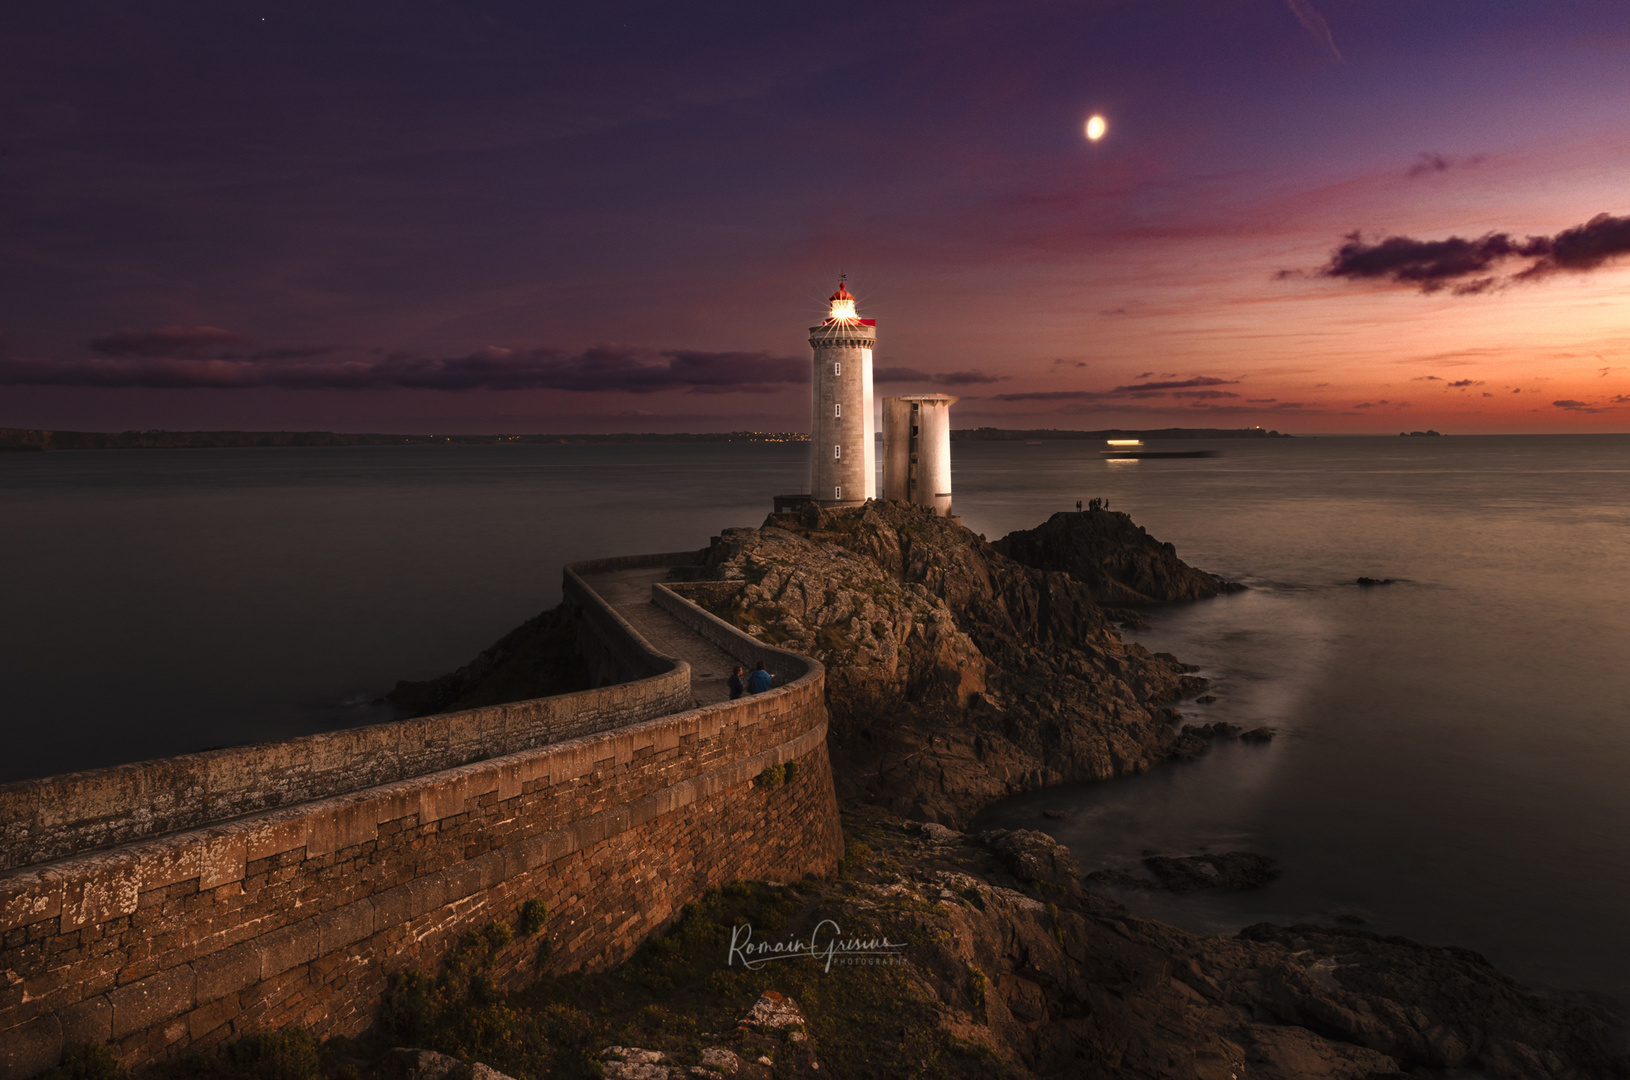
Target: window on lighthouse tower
{"x": 837, "y": 409}
{"x": 837, "y": 451}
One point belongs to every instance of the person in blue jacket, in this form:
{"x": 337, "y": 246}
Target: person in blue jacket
{"x": 759, "y": 681}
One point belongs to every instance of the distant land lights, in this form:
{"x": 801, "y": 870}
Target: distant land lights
{"x": 1096, "y": 127}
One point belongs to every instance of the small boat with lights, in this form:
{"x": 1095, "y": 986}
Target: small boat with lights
{"x": 1134, "y": 448}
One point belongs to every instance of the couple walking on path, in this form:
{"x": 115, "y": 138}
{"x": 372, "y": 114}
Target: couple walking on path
{"x": 757, "y": 681}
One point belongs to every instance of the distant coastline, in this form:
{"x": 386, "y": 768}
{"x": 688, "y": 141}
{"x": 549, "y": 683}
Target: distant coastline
{"x": 27, "y": 439}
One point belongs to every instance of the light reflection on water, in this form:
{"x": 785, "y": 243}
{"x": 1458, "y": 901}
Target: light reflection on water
{"x": 1452, "y": 747}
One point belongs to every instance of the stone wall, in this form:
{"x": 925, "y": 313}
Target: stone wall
{"x": 300, "y": 915}
{"x": 57, "y": 816}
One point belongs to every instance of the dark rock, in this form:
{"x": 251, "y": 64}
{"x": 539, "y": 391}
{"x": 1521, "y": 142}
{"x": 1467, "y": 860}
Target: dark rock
{"x": 1369, "y": 581}
{"x": 1054, "y": 814}
{"x": 1231, "y": 871}
{"x": 1205, "y": 699}
{"x": 1189, "y": 745}
{"x": 536, "y": 659}
{"x": 1128, "y": 618}
{"x": 1033, "y": 856}
{"x": 1258, "y": 735}
{"x": 1218, "y": 730}
{"x": 1431, "y": 1008}
{"x": 1117, "y": 560}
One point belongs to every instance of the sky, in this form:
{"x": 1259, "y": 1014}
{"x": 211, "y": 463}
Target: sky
{"x": 1318, "y": 216}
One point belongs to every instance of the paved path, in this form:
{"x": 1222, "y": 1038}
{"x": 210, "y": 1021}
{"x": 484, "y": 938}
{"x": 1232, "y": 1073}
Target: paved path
{"x": 629, "y": 592}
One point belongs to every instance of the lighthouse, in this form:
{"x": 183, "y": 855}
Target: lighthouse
{"x": 843, "y": 429}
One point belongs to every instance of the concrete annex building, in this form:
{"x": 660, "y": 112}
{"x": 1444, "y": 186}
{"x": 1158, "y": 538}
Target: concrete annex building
{"x": 843, "y": 423}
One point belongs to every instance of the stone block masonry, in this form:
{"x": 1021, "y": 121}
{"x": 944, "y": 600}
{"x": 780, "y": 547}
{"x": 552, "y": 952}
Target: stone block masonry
{"x": 299, "y": 915}
{"x": 61, "y": 815}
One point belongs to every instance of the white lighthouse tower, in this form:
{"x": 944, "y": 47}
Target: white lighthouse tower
{"x": 843, "y": 429}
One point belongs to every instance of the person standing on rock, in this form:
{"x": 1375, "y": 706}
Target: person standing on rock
{"x": 737, "y": 687}
{"x": 759, "y": 681}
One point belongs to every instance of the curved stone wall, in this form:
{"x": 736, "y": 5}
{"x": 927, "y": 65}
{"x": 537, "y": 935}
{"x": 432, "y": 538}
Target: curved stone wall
{"x": 57, "y": 816}
{"x": 299, "y": 915}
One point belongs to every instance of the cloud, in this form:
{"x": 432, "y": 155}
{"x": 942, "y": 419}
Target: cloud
{"x": 1621, "y": 399}
{"x": 1314, "y": 24}
{"x": 1203, "y": 395}
{"x": 1469, "y": 267}
{"x": 297, "y": 352}
{"x": 1462, "y": 384}
{"x": 1576, "y": 406}
{"x": 1260, "y": 400}
{"x": 1132, "y": 390}
{"x": 607, "y": 368}
{"x": 1426, "y": 164}
{"x": 165, "y": 341}
{"x": 967, "y": 378}
{"x": 1429, "y": 163}
{"x": 900, "y": 374}
{"x": 1427, "y": 378}
{"x": 971, "y": 377}
{"x": 1185, "y": 384}
{"x": 1058, "y": 395}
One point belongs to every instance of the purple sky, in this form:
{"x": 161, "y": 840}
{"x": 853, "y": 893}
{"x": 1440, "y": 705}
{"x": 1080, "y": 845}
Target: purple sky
{"x": 524, "y": 217}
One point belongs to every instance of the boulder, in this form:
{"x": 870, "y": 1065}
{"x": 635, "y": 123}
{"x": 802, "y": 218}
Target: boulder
{"x": 1230, "y": 871}
{"x": 1116, "y": 559}
{"x": 1033, "y": 856}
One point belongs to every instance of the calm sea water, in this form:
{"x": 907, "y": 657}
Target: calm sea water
{"x": 1454, "y": 753}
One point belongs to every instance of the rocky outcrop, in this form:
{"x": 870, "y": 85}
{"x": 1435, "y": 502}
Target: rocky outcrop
{"x": 955, "y": 675}
{"x": 1033, "y": 857}
{"x": 536, "y": 659}
{"x": 1113, "y": 557}
{"x": 1077, "y": 986}
{"x": 1229, "y": 871}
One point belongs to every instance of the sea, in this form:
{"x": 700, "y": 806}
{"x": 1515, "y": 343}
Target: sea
{"x": 1453, "y": 753}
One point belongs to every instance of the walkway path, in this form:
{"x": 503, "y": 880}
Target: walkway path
{"x": 629, "y": 592}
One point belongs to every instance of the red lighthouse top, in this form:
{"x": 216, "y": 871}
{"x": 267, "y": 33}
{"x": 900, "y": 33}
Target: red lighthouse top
{"x": 843, "y": 308}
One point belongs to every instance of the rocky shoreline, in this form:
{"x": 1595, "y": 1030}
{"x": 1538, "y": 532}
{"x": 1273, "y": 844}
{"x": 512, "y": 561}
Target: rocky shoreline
{"x": 961, "y": 672}
{"x": 958, "y": 674}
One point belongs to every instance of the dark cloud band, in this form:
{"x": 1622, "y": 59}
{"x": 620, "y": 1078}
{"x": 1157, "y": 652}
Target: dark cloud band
{"x": 1180, "y": 388}
{"x": 606, "y": 369}
{"x": 1467, "y": 267}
